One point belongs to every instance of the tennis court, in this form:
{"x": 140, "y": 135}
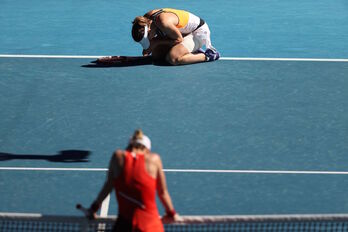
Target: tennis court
{"x": 246, "y": 135}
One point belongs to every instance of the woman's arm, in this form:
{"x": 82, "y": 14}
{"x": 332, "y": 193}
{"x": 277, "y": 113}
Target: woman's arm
{"x": 157, "y": 44}
{"x": 167, "y": 24}
{"x": 113, "y": 172}
{"x": 162, "y": 190}
{"x": 105, "y": 191}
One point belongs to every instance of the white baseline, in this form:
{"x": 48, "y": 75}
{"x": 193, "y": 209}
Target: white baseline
{"x": 184, "y": 170}
{"x": 222, "y": 58}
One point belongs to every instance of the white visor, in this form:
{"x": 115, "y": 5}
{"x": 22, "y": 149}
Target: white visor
{"x": 145, "y": 42}
{"x": 144, "y": 141}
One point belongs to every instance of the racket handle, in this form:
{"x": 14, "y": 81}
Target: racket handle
{"x": 84, "y": 210}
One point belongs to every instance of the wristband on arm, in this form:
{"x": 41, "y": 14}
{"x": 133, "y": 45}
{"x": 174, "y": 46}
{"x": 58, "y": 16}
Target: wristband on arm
{"x": 171, "y": 213}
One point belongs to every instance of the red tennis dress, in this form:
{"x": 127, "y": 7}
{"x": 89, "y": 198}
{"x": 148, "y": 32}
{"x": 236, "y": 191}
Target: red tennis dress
{"x": 136, "y": 195}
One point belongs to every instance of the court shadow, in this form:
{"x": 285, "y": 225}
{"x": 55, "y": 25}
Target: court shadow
{"x": 124, "y": 61}
{"x": 65, "y": 156}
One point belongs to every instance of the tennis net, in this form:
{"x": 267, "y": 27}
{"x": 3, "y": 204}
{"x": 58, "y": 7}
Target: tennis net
{"x": 271, "y": 223}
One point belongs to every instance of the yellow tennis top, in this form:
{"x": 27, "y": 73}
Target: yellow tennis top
{"x": 183, "y": 16}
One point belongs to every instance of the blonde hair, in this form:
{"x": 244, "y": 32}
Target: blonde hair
{"x": 137, "y": 135}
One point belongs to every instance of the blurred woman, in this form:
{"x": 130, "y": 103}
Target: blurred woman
{"x": 136, "y": 174}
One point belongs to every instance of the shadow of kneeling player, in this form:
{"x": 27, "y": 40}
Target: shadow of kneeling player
{"x": 65, "y": 156}
{"x": 124, "y": 61}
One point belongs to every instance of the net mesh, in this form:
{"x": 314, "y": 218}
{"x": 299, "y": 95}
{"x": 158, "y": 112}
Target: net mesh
{"x": 295, "y": 223}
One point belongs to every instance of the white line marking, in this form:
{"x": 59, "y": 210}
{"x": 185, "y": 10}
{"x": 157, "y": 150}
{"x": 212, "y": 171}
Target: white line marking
{"x": 261, "y": 171}
{"x": 283, "y": 59}
{"x": 222, "y": 58}
{"x": 185, "y": 171}
{"x": 105, "y": 206}
{"x": 48, "y": 56}
{"x": 53, "y": 169}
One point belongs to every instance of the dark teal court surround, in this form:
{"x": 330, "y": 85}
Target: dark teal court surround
{"x": 225, "y": 115}
{"x": 241, "y": 28}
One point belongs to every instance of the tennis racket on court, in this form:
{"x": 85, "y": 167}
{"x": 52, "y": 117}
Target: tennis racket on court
{"x": 119, "y": 61}
{"x": 109, "y": 60}
{"x": 86, "y": 212}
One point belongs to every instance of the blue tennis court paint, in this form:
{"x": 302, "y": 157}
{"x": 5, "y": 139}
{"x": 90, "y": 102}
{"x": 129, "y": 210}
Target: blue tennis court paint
{"x": 47, "y": 192}
{"x": 288, "y": 112}
{"x": 193, "y": 194}
{"x": 221, "y": 115}
{"x": 241, "y": 28}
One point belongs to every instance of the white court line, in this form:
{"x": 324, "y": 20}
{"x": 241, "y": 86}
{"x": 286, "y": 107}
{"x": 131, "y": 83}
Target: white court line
{"x": 222, "y": 58}
{"x": 185, "y": 171}
{"x": 283, "y": 59}
{"x": 52, "y": 169}
{"x": 48, "y": 56}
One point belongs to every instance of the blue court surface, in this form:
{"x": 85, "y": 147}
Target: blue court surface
{"x": 236, "y": 136}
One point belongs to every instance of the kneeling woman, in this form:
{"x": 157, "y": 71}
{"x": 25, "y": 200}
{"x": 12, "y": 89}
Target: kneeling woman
{"x": 176, "y": 36}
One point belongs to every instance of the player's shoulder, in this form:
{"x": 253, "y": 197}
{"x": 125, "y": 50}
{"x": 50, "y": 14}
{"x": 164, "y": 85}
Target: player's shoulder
{"x": 150, "y": 13}
{"x": 155, "y": 157}
{"x": 118, "y": 154}
{"x": 157, "y": 15}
